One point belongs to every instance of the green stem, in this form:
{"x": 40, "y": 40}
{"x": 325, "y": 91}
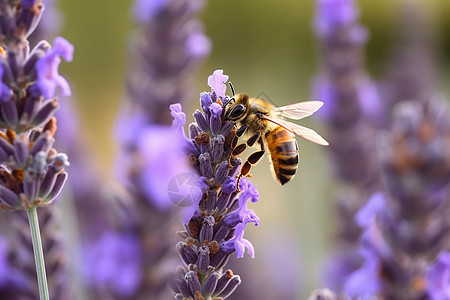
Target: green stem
{"x": 38, "y": 253}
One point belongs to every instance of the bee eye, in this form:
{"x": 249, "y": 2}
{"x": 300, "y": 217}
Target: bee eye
{"x": 237, "y": 111}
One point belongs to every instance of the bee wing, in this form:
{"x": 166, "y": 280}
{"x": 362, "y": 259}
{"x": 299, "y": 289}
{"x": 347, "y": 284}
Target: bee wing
{"x": 299, "y": 110}
{"x": 306, "y": 133}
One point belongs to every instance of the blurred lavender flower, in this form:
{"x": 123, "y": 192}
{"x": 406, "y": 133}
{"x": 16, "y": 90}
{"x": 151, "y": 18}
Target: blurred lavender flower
{"x": 351, "y": 112}
{"x": 405, "y": 226}
{"x": 216, "y": 228}
{"x": 166, "y": 49}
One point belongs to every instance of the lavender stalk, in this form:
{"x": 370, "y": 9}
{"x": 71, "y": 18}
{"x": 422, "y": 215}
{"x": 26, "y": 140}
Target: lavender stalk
{"x": 352, "y": 110}
{"x": 38, "y": 253}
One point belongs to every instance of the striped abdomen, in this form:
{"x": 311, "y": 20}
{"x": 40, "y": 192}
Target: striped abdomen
{"x": 283, "y": 153}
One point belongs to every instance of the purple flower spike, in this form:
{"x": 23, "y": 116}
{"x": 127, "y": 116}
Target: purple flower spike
{"x": 238, "y": 243}
{"x": 47, "y": 69}
{"x": 217, "y": 217}
{"x": 217, "y": 83}
{"x": 438, "y": 278}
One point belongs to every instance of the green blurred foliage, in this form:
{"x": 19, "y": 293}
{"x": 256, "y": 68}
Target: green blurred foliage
{"x": 265, "y": 46}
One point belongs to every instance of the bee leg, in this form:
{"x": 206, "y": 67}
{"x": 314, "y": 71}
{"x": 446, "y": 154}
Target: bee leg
{"x": 261, "y": 143}
{"x": 241, "y": 130}
{"x": 251, "y": 160}
{"x": 251, "y": 141}
{"x": 239, "y": 133}
{"x": 239, "y": 149}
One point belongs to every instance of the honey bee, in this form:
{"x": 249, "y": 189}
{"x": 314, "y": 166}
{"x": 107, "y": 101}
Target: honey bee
{"x": 265, "y": 124}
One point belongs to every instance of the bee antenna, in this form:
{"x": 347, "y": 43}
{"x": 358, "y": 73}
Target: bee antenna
{"x": 231, "y": 86}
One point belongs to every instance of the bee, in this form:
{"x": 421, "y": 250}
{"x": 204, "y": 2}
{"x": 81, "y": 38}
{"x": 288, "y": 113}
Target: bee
{"x": 266, "y": 124}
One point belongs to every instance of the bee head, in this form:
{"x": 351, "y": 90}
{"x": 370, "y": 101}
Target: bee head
{"x": 235, "y": 108}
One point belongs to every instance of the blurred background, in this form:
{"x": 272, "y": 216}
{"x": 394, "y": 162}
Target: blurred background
{"x": 265, "y": 47}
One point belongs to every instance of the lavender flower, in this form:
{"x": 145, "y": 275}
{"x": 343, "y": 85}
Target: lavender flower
{"x": 404, "y": 227}
{"x": 216, "y": 228}
{"x": 352, "y": 109}
{"x": 31, "y": 175}
{"x": 48, "y": 78}
{"x": 32, "y": 171}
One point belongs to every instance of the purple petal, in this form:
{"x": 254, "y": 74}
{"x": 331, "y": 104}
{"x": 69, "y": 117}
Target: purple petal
{"x": 249, "y": 191}
{"x": 249, "y": 246}
{"x": 179, "y": 117}
{"x": 367, "y": 213}
{"x": 62, "y": 47}
{"x": 364, "y": 282}
{"x": 217, "y": 82}
{"x": 239, "y": 248}
{"x": 48, "y": 78}
{"x": 438, "y": 278}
